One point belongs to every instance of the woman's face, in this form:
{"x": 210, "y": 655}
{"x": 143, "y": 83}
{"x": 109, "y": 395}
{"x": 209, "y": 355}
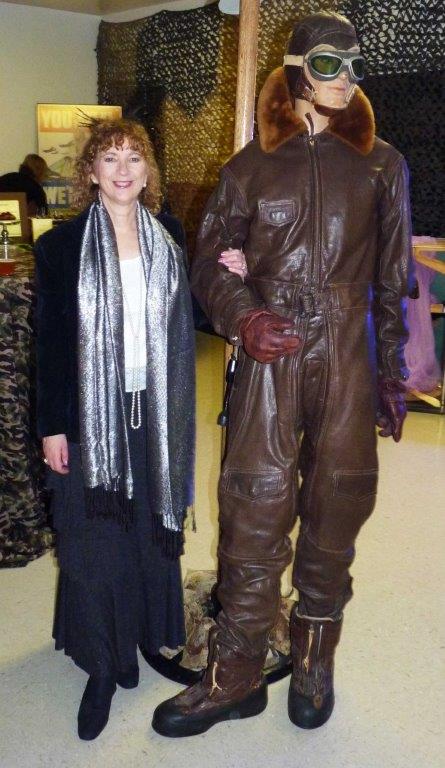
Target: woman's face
{"x": 121, "y": 173}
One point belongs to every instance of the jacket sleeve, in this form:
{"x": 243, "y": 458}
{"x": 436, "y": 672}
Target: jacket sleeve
{"x": 222, "y": 295}
{"x": 51, "y": 344}
{"x": 394, "y": 276}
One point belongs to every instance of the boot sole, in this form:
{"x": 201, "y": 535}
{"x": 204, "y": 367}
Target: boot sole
{"x": 192, "y": 725}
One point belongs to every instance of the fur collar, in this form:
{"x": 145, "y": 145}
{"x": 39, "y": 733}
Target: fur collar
{"x": 277, "y": 121}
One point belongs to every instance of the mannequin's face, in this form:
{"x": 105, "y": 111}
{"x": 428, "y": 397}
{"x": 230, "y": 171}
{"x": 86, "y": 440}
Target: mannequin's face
{"x": 332, "y": 94}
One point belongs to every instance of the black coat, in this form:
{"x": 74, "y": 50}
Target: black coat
{"x": 21, "y": 181}
{"x": 57, "y": 273}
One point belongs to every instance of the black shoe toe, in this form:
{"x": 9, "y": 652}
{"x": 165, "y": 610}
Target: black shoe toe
{"x": 128, "y": 679}
{"x": 95, "y": 706}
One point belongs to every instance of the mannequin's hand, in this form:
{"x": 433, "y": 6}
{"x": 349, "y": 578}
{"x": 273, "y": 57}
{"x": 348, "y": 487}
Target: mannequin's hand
{"x": 235, "y": 261}
{"x": 55, "y": 449}
{"x": 266, "y": 336}
{"x": 391, "y": 411}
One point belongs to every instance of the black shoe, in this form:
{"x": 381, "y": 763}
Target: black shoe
{"x": 128, "y": 679}
{"x": 171, "y": 719}
{"x": 309, "y": 713}
{"x": 95, "y": 706}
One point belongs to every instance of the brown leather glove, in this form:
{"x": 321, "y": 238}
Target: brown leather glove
{"x": 391, "y": 410}
{"x": 264, "y": 336}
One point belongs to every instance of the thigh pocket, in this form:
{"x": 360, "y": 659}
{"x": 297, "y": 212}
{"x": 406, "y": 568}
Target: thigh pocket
{"x": 252, "y": 485}
{"x": 355, "y": 484}
{"x": 341, "y": 513}
{"x": 353, "y": 498}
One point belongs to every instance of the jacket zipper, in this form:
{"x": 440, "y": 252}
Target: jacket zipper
{"x": 315, "y": 275}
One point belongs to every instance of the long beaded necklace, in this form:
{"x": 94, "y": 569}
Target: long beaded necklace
{"x": 135, "y": 415}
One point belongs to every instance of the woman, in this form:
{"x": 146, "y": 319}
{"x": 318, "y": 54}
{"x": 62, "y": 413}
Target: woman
{"x": 29, "y": 179}
{"x": 115, "y": 411}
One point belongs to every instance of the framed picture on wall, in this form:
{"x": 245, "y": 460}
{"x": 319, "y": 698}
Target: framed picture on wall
{"x": 13, "y": 208}
{"x": 61, "y": 133}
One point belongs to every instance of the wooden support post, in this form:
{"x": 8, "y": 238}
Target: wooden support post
{"x": 245, "y": 96}
{"x": 247, "y": 59}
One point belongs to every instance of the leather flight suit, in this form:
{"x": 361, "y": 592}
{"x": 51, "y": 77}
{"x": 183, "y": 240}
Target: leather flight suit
{"x": 324, "y": 224}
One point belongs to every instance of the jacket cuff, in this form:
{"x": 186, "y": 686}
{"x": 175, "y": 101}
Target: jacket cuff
{"x": 233, "y": 329}
{"x": 51, "y": 427}
{"x": 392, "y": 366}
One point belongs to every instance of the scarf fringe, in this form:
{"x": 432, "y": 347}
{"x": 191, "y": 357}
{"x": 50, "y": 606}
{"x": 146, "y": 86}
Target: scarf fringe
{"x": 112, "y": 505}
{"x": 171, "y": 542}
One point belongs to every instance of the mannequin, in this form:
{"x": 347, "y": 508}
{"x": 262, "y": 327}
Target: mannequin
{"x": 320, "y": 207}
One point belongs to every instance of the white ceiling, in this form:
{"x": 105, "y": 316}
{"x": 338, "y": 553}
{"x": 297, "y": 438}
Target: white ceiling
{"x": 95, "y": 7}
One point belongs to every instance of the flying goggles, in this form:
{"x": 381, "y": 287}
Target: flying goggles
{"x": 328, "y": 65}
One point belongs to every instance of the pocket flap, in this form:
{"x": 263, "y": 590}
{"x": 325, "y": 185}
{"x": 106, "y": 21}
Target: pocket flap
{"x": 277, "y": 213}
{"x": 254, "y": 485}
{"x": 356, "y": 484}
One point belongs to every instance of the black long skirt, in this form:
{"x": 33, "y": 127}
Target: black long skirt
{"x": 116, "y": 589}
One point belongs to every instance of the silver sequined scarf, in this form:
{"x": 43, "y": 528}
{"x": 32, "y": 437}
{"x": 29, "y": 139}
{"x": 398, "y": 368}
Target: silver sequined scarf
{"x": 170, "y": 376}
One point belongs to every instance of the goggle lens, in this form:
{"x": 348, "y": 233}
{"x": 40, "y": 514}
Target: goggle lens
{"x": 326, "y": 65}
{"x": 358, "y": 68}
{"x": 329, "y": 66}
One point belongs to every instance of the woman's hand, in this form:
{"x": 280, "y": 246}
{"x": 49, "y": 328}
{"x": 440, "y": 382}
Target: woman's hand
{"x": 235, "y": 261}
{"x": 55, "y": 449}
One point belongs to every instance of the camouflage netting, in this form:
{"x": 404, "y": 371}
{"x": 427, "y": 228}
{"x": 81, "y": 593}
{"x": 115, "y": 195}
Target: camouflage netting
{"x": 24, "y": 533}
{"x": 176, "y": 71}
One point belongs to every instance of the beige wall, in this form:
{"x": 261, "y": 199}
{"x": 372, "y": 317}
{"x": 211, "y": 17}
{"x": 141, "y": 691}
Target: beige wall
{"x": 155, "y": 7}
{"x": 45, "y": 56}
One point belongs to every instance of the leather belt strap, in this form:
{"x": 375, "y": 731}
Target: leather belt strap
{"x": 307, "y": 302}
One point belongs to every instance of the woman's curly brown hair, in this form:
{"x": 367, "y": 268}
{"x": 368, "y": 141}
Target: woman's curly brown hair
{"x": 103, "y": 135}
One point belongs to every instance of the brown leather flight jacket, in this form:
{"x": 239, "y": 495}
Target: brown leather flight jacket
{"x": 320, "y": 218}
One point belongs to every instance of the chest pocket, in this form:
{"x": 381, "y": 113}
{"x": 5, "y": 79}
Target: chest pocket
{"x": 277, "y": 213}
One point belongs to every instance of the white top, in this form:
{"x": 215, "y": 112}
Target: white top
{"x": 134, "y": 292}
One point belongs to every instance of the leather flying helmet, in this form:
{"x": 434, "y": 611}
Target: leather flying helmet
{"x": 316, "y": 31}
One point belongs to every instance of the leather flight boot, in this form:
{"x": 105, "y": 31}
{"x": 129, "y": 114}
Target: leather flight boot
{"x": 232, "y": 687}
{"x": 95, "y": 706}
{"x": 311, "y": 691}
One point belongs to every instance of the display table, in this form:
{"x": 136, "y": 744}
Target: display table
{"x": 425, "y": 353}
{"x": 24, "y": 534}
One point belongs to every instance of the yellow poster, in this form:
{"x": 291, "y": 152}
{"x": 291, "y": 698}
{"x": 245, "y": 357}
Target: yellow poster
{"x": 61, "y": 133}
